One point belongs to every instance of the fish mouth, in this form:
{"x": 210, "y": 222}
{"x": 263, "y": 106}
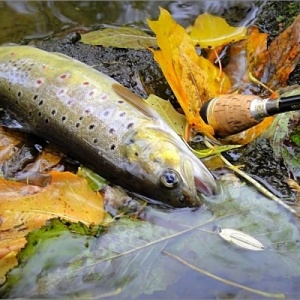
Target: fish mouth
{"x": 196, "y": 173}
{"x": 204, "y": 187}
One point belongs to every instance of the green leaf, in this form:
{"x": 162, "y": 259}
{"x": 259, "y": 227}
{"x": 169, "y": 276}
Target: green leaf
{"x": 214, "y": 151}
{"x": 167, "y": 112}
{"x": 121, "y": 37}
{"x": 171, "y": 252}
{"x": 95, "y": 181}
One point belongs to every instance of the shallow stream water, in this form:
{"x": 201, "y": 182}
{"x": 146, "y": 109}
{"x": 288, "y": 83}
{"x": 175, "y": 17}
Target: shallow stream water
{"x": 26, "y": 20}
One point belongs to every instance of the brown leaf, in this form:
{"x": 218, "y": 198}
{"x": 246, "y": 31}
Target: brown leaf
{"x": 284, "y": 54}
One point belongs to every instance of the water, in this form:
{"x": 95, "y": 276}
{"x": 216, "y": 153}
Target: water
{"x": 26, "y": 20}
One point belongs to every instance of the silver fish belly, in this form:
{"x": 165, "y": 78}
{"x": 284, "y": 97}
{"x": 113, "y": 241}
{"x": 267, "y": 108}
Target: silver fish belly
{"x": 95, "y": 120}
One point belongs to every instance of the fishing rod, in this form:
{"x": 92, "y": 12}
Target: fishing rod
{"x": 233, "y": 113}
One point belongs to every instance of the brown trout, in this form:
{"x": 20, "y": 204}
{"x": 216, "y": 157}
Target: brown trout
{"x": 101, "y": 124}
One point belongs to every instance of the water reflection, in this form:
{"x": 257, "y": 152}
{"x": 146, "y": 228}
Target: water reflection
{"x": 40, "y": 19}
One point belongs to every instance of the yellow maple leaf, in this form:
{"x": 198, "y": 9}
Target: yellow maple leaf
{"x": 27, "y": 207}
{"x": 212, "y": 31}
{"x": 193, "y": 79}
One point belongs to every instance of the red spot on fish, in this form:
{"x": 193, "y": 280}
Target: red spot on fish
{"x": 92, "y": 93}
{"x": 69, "y": 102}
{"x": 104, "y": 97}
{"x": 86, "y": 83}
{"x": 39, "y": 81}
{"x": 64, "y": 76}
{"x": 43, "y": 67}
{"x": 12, "y": 53}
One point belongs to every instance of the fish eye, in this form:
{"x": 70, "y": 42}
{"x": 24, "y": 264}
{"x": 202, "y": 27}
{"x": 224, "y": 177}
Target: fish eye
{"x": 169, "y": 179}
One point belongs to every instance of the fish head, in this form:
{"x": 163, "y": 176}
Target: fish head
{"x": 171, "y": 173}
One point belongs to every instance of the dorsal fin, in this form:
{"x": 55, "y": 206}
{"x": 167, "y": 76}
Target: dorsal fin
{"x": 135, "y": 100}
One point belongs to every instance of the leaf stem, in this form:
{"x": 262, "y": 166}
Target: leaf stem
{"x": 225, "y": 281}
{"x": 259, "y": 187}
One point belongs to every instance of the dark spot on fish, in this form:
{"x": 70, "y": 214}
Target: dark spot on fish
{"x": 53, "y": 112}
{"x": 77, "y": 125}
{"x": 106, "y": 113}
{"x": 81, "y": 118}
{"x": 122, "y": 114}
{"x": 136, "y": 154}
{"x": 70, "y": 102}
{"x": 111, "y": 130}
{"x": 95, "y": 141}
{"x": 41, "y": 102}
{"x": 30, "y": 113}
{"x": 19, "y": 94}
{"x": 61, "y": 91}
{"x": 91, "y": 127}
{"x": 12, "y": 53}
{"x": 120, "y": 101}
{"x": 46, "y": 121}
{"x": 130, "y": 125}
{"x": 35, "y": 97}
{"x": 28, "y": 69}
{"x": 131, "y": 141}
{"x": 63, "y": 118}
{"x": 87, "y": 111}
{"x": 39, "y": 114}
{"x": 112, "y": 147}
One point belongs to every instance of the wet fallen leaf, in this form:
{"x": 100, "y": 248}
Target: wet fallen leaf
{"x": 26, "y": 207}
{"x": 9, "y": 139}
{"x": 188, "y": 74}
{"x": 256, "y": 50}
{"x": 249, "y": 135}
{"x": 167, "y": 112}
{"x": 121, "y": 37}
{"x": 284, "y": 54}
{"x": 236, "y": 67}
{"x": 194, "y": 79}
{"x": 211, "y": 31}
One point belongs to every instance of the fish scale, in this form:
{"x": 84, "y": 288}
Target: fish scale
{"x": 95, "y": 120}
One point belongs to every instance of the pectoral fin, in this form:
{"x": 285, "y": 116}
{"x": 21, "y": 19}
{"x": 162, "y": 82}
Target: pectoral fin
{"x": 135, "y": 100}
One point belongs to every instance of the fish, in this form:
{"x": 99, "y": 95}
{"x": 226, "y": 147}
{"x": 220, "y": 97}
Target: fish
{"x": 102, "y": 124}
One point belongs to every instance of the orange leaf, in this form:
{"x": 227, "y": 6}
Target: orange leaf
{"x": 256, "y": 49}
{"x": 284, "y": 53}
{"x": 193, "y": 79}
{"x": 249, "y": 135}
{"x": 27, "y": 207}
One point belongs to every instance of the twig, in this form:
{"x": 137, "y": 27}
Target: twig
{"x": 259, "y": 187}
{"x": 226, "y": 281}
